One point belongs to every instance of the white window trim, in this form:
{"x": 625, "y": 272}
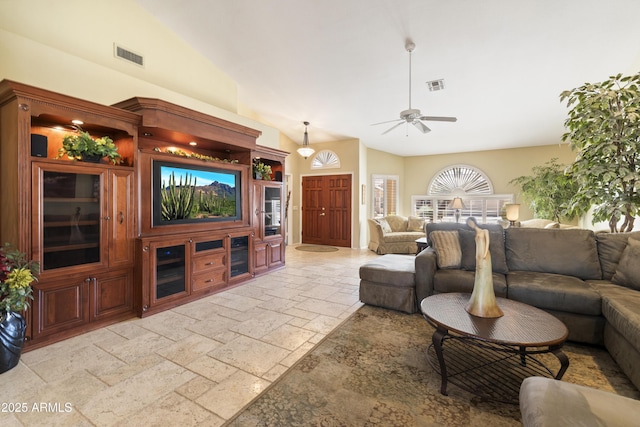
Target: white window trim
{"x": 372, "y": 192}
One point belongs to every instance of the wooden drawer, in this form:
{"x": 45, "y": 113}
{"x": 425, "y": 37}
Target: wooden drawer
{"x": 209, "y": 262}
{"x": 209, "y": 279}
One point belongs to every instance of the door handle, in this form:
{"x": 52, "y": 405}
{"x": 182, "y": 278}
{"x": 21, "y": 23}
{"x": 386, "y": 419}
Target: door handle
{"x": 322, "y": 214}
{"x": 121, "y": 216}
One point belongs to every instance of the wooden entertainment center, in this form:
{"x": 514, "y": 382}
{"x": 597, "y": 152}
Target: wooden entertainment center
{"x": 106, "y": 248}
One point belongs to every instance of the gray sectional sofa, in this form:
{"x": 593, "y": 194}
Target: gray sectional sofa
{"x": 589, "y": 281}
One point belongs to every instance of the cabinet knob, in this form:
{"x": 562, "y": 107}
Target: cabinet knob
{"x": 210, "y": 263}
{"x": 107, "y": 218}
{"x": 121, "y": 217}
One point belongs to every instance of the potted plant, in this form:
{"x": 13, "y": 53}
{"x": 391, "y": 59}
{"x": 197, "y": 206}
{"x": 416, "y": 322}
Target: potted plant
{"x": 603, "y": 127}
{"x": 81, "y": 146}
{"x": 261, "y": 171}
{"x": 550, "y": 191}
{"x": 16, "y": 276}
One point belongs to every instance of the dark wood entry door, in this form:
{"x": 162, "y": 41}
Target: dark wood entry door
{"x": 326, "y": 210}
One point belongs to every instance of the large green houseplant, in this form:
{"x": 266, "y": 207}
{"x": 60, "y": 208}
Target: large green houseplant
{"x": 82, "y": 146}
{"x": 603, "y": 127}
{"x": 550, "y": 191}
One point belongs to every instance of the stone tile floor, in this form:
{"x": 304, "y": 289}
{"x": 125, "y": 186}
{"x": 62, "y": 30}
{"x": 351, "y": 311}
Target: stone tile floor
{"x": 197, "y": 364}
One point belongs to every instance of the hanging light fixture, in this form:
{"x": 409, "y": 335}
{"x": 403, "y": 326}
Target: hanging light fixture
{"x": 305, "y": 151}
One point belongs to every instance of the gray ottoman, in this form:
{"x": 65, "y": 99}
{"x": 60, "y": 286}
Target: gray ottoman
{"x": 389, "y": 281}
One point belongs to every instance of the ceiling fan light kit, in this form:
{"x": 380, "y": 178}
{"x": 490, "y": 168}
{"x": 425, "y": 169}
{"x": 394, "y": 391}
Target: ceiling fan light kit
{"x": 413, "y": 115}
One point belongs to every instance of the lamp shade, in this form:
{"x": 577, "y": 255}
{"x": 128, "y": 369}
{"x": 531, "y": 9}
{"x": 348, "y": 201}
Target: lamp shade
{"x": 456, "y": 203}
{"x": 513, "y": 211}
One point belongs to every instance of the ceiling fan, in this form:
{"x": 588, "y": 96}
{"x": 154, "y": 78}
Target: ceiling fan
{"x": 413, "y": 115}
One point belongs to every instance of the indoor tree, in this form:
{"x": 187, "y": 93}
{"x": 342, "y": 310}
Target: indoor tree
{"x": 603, "y": 127}
{"x": 549, "y": 191}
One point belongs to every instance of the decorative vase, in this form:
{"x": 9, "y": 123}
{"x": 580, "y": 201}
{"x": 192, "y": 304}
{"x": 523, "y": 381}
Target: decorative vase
{"x": 12, "y": 329}
{"x": 483, "y": 298}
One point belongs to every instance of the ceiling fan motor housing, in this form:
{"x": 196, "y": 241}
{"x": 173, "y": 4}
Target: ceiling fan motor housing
{"x": 410, "y": 114}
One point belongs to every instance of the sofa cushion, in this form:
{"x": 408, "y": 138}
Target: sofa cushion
{"x": 415, "y": 223}
{"x": 407, "y": 236}
{"x": 628, "y": 269}
{"x": 397, "y": 223}
{"x": 620, "y": 308}
{"x": 571, "y": 252}
{"x": 447, "y": 246}
{"x": 554, "y": 292}
{"x": 496, "y": 249}
{"x": 463, "y": 281}
{"x": 386, "y": 228}
{"x": 610, "y": 248}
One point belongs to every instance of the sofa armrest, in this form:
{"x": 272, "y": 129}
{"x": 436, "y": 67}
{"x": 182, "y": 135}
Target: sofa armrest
{"x": 426, "y": 266}
{"x": 376, "y": 235}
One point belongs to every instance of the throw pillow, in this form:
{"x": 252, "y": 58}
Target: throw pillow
{"x": 415, "y": 224}
{"x": 496, "y": 249}
{"x": 552, "y": 225}
{"x": 628, "y": 270}
{"x": 447, "y": 247}
{"x": 386, "y": 228}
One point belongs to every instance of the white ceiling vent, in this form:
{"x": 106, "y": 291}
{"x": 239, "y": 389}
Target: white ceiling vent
{"x": 435, "y": 85}
{"x": 128, "y": 55}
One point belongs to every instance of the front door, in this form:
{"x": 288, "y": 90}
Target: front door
{"x": 326, "y": 210}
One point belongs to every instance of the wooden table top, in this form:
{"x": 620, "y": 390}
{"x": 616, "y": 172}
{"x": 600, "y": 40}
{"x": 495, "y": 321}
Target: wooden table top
{"x": 522, "y": 325}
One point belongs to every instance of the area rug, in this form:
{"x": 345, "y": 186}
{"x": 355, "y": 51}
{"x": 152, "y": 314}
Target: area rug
{"x": 316, "y": 248}
{"x": 372, "y": 371}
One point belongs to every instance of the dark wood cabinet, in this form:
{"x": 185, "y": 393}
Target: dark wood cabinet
{"x": 76, "y": 219}
{"x": 180, "y": 269}
{"x": 93, "y": 227}
{"x": 268, "y": 213}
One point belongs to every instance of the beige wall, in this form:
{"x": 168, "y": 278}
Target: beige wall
{"x": 500, "y": 166}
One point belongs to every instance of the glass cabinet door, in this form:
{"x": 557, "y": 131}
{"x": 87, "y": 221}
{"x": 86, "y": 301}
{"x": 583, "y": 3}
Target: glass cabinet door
{"x": 170, "y": 271}
{"x": 272, "y": 211}
{"x": 71, "y": 211}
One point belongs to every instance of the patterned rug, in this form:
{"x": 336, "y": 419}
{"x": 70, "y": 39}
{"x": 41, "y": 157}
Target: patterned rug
{"x": 372, "y": 371}
{"x": 316, "y": 248}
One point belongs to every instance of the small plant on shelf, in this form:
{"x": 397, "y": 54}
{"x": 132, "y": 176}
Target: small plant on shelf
{"x": 261, "y": 171}
{"x": 81, "y": 146}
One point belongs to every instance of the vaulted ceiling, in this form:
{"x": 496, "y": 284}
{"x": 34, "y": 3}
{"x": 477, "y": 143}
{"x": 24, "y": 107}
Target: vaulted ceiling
{"x": 342, "y": 64}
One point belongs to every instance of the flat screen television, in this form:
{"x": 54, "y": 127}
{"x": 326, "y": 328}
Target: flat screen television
{"x": 185, "y": 194}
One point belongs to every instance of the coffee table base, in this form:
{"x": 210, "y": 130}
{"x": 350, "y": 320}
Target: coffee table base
{"x": 492, "y": 371}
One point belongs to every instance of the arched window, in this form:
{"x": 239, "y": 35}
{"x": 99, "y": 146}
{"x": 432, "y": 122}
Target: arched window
{"x": 471, "y": 185}
{"x": 325, "y": 159}
{"x": 458, "y": 180}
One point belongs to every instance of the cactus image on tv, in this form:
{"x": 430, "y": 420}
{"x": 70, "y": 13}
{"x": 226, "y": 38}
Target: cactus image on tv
{"x": 183, "y": 199}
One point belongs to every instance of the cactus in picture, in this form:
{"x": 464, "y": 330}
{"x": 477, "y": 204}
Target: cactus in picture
{"x": 178, "y": 201}
{"x": 215, "y": 205}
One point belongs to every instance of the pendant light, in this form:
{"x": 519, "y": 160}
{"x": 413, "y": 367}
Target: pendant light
{"x": 305, "y": 151}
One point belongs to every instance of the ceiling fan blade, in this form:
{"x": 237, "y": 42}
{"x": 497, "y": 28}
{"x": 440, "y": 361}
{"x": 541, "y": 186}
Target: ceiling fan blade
{"x": 388, "y": 121}
{"x": 392, "y": 127}
{"x": 439, "y": 119}
{"x": 421, "y": 126}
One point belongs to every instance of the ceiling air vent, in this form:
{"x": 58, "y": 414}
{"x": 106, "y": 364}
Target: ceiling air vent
{"x": 435, "y": 85}
{"x": 128, "y": 55}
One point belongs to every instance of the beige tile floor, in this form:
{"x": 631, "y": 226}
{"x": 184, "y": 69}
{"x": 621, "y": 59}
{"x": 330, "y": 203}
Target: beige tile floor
{"x": 197, "y": 364}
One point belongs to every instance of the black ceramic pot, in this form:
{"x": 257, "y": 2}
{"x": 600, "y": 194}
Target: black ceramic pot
{"x": 12, "y": 328}
{"x": 95, "y": 158}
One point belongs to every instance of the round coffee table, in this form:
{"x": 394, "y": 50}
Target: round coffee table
{"x": 481, "y": 352}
